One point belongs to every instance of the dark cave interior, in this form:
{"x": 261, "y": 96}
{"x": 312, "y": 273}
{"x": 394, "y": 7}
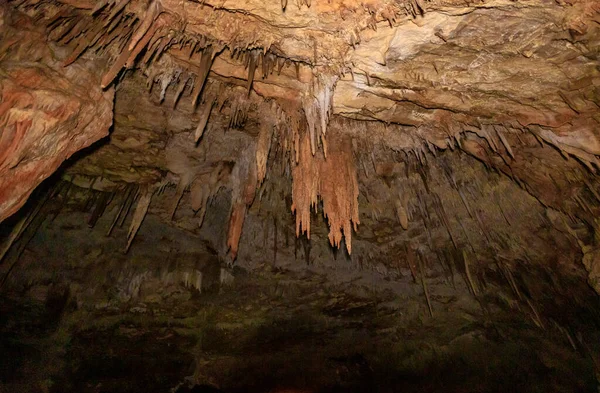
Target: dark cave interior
{"x": 327, "y": 196}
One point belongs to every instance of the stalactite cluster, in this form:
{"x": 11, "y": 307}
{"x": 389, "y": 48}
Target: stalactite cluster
{"x": 242, "y": 84}
{"x": 332, "y": 181}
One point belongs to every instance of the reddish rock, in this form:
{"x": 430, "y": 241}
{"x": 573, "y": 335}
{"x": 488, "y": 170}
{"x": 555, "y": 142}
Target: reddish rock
{"x": 47, "y": 111}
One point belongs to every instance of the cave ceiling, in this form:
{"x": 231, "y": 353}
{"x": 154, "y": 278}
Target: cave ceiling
{"x": 377, "y": 113}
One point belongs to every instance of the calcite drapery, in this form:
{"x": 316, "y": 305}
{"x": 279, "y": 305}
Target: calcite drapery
{"x": 333, "y": 181}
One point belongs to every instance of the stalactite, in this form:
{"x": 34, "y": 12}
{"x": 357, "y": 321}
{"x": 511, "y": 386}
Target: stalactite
{"x": 305, "y": 187}
{"x": 505, "y": 142}
{"x": 588, "y": 159}
{"x": 142, "y": 44}
{"x": 410, "y": 261}
{"x": 79, "y": 27}
{"x": 99, "y": 209}
{"x": 90, "y": 38}
{"x": 441, "y": 212}
{"x": 243, "y": 181}
{"x": 117, "y": 8}
{"x": 120, "y": 31}
{"x": 63, "y": 200}
{"x": 90, "y": 200}
{"x": 182, "y": 85}
{"x": 199, "y": 194}
{"x": 424, "y": 284}
{"x": 153, "y": 48}
{"x": 263, "y": 147}
{"x": 181, "y": 187}
{"x": 204, "y": 116}
{"x": 310, "y": 111}
{"x": 317, "y": 107}
{"x": 115, "y": 68}
{"x": 402, "y": 211}
{"x": 334, "y": 182}
{"x": 150, "y": 16}
{"x": 133, "y": 197}
{"x": 139, "y": 215}
{"x": 208, "y": 56}
{"x": 236, "y": 223}
{"x": 324, "y": 96}
{"x": 464, "y": 201}
{"x": 306, "y": 247}
{"x": 126, "y": 197}
{"x": 468, "y": 274}
{"x": 253, "y": 57}
{"x": 239, "y": 112}
{"x": 592, "y": 189}
{"x": 274, "y": 240}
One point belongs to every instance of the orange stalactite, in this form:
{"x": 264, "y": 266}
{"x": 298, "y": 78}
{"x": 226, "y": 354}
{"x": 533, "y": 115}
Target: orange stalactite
{"x": 334, "y": 181}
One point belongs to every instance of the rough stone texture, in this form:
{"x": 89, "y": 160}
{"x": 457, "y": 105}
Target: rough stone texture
{"x": 79, "y": 314}
{"x": 472, "y": 130}
{"x": 496, "y": 80}
{"x": 47, "y": 112}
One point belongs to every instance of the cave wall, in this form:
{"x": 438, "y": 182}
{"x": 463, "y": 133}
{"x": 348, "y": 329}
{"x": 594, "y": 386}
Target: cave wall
{"x": 47, "y": 112}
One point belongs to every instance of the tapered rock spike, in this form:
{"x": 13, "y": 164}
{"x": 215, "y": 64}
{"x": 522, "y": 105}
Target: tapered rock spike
{"x": 143, "y": 43}
{"x": 505, "y": 143}
{"x": 311, "y": 120}
{"x": 512, "y": 282}
{"x": 424, "y": 284}
{"x": 236, "y": 223}
{"x": 139, "y": 215}
{"x": 410, "y": 261}
{"x": 152, "y": 49}
{"x": 263, "y": 147}
{"x": 468, "y": 273}
{"x": 82, "y": 45}
{"x": 464, "y": 201}
{"x": 204, "y": 116}
{"x": 99, "y": 209}
{"x": 181, "y": 186}
{"x": 192, "y": 49}
{"x": 208, "y": 56}
{"x": 591, "y": 188}
{"x": 199, "y": 195}
{"x": 401, "y": 213}
{"x": 128, "y": 56}
{"x": 133, "y": 196}
{"x": 180, "y": 90}
{"x": 251, "y": 70}
{"x": 115, "y": 10}
{"x": 126, "y": 197}
{"x": 114, "y": 70}
{"x": 74, "y": 32}
{"x": 536, "y": 316}
{"x": 332, "y": 180}
{"x": 154, "y": 9}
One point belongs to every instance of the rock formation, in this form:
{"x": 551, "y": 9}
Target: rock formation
{"x": 412, "y": 134}
{"x": 48, "y": 112}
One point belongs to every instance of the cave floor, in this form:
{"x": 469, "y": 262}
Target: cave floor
{"x": 79, "y": 315}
